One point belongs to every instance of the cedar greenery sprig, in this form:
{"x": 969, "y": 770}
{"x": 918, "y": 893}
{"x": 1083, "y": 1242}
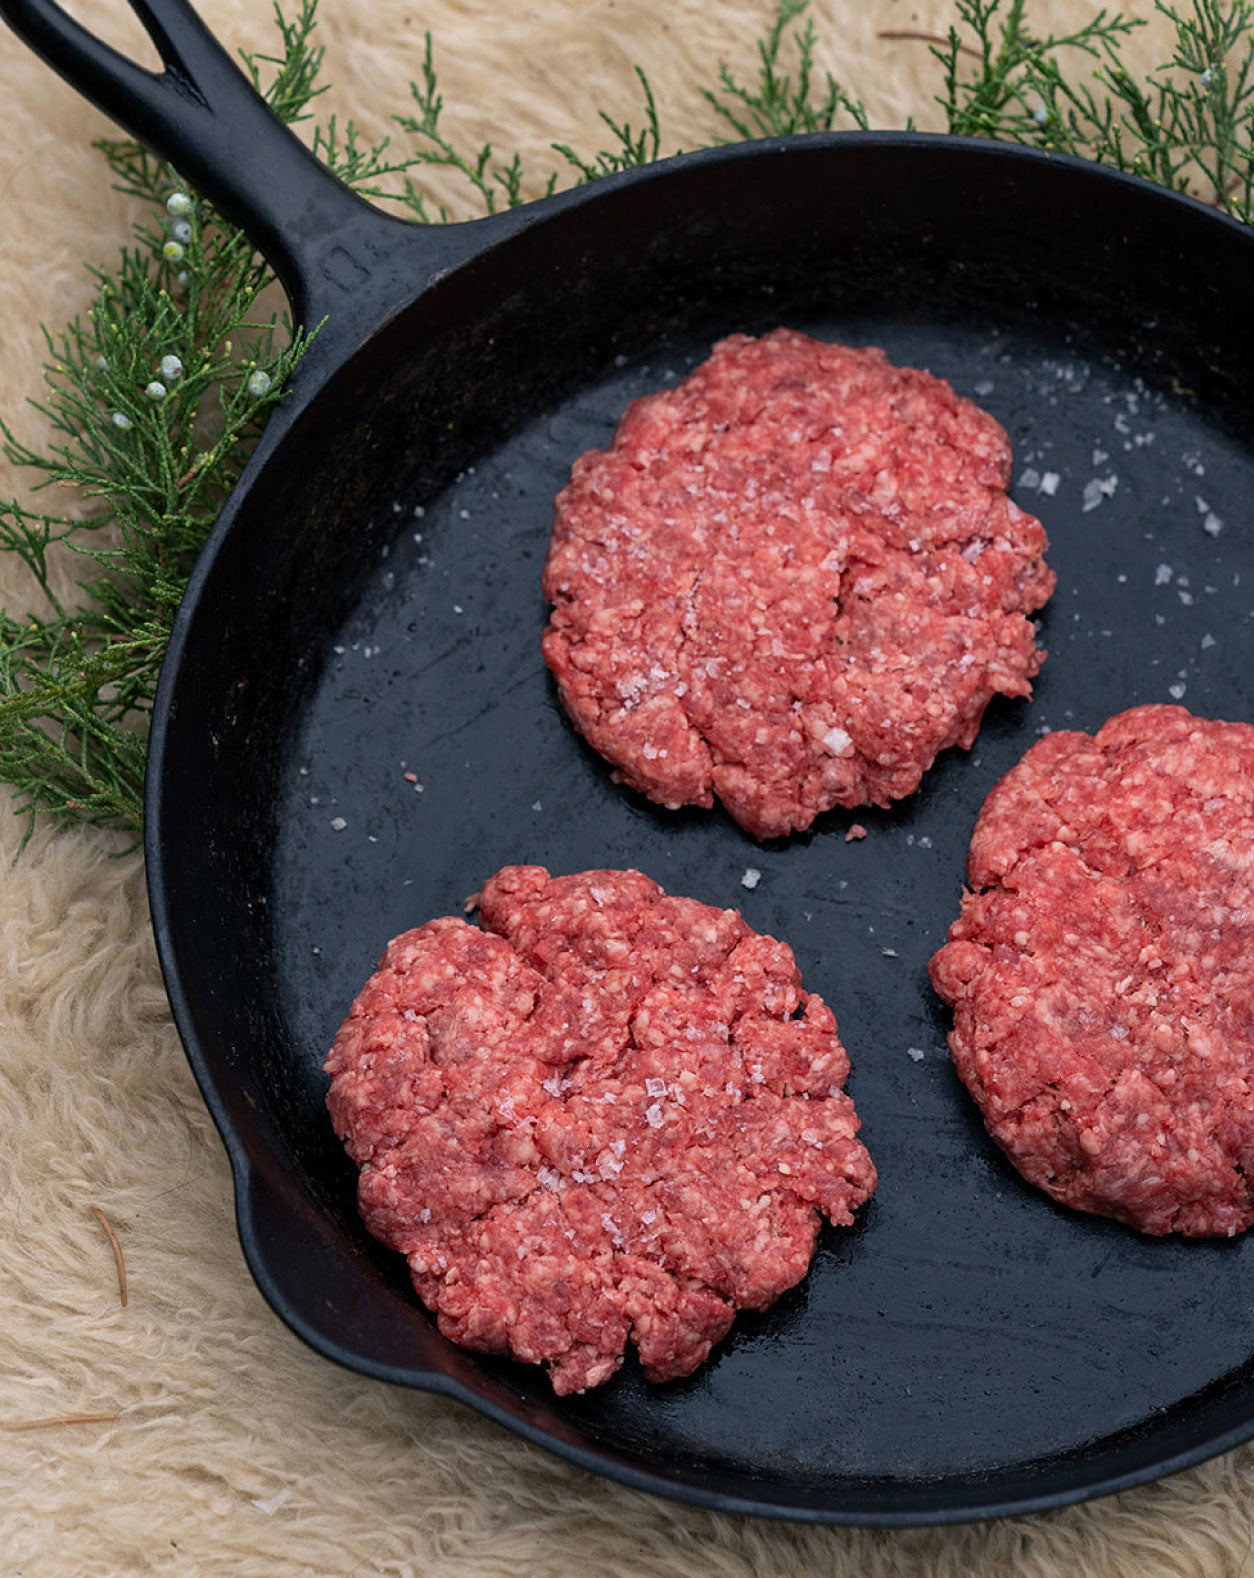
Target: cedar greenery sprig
{"x": 1188, "y": 126}
{"x": 779, "y": 105}
{"x": 155, "y": 398}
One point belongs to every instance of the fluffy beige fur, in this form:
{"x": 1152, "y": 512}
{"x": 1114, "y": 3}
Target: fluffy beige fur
{"x": 236, "y": 1450}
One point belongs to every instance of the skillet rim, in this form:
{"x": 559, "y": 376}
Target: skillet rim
{"x": 460, "y": 245}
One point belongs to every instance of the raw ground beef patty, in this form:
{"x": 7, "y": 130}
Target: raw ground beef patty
{"x": 1102, "y": 970}
{"x": 790, "y": 582}
{"x": 610, "y": 1115}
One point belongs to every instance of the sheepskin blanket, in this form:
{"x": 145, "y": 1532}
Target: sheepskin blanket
{"x": 226, "y": 1446}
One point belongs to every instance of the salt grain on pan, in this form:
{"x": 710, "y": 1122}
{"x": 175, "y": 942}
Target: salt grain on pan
{"x": 1097, "y": 489}
{"x": 751, "y": 877}
{"x": 1049, "y": 483}
{"x": 916, "y": 1053}
{"x": 1176, "y": 692}
{"x": 338, "y": 824}
{"x": 1162, "y": 575}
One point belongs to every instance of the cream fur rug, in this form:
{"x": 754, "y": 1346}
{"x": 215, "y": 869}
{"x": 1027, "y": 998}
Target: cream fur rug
{"x": 235, "y": 1450}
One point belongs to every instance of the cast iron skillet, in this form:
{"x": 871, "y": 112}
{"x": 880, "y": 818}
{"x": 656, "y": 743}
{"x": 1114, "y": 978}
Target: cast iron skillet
{"x": 368, "y": 607}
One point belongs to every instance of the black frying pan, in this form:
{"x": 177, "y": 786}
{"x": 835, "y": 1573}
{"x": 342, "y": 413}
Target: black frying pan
{"x": 369, "y": 605}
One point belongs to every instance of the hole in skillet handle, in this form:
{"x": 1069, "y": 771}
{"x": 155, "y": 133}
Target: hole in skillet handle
{"x": 345, "y": 265}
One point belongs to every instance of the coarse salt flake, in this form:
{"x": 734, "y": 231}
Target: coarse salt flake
{"x": 838, "y": 741}
{"x": 751, "y": 877}
{"x": 1097, "y": 489}
{"x": 653, "y": 1116}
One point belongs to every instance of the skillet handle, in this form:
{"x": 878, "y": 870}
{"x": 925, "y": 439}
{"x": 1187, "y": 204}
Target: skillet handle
{"x": 335, "y": 254}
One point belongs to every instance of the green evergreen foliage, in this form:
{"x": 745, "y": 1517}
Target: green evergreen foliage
{"x": 155, "y": 398}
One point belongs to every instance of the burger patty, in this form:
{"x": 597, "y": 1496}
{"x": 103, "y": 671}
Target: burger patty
{"x": 790, "y": 582}
{"x": 1102, "y": 970}
{"x": 609, "y": 1116}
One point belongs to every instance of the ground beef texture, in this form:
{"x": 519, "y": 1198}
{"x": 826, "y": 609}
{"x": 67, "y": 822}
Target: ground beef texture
{"x": 1102, "y": 970}
{"x": 608, "y": 1116}
{"x": 790, "y": 582}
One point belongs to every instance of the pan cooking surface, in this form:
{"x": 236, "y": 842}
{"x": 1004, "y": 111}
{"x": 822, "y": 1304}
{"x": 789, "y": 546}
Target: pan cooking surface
{"x": 966, "y": 1325}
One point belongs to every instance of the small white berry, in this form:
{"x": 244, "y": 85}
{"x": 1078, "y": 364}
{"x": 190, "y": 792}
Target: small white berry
{"x": 182, "y": 276}
{"x": 179, "y": 204}
{"x": 258, "y": 383}
{"x": 181, "y": 230}
{"x": 103, "y": 363}
{"x": 172, "y": 252}
{"x": 1040, "y": 115}
{"x": 171, "y": 368}
{"x": 155, "y": 390}
{"x": 120, "y": 419}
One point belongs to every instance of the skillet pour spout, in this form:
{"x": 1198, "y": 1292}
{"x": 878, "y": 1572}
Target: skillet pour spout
{"x": 367, "y": 613}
